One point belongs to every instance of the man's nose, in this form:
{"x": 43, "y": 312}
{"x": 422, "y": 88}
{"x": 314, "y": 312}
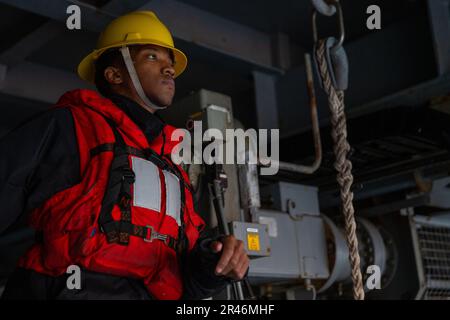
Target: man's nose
{"x": 169, "y": 70}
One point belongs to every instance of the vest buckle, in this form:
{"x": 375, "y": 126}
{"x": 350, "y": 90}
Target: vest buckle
{"x": 151, "y": 235}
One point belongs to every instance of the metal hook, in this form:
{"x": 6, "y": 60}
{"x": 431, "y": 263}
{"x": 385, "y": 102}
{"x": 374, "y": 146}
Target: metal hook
{"x": 324, "y": 7}
{"x": 340, "y": 42}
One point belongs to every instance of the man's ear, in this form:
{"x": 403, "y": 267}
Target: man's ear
{"x": 113, "y": 75}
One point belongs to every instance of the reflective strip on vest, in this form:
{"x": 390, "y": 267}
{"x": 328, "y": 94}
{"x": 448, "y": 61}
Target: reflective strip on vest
{"x": 147, "y": 186}
{"x": 173, "y": 196}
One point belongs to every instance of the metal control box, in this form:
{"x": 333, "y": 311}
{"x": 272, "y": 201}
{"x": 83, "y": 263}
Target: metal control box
{"x": 298, "y": 248}
{"x": 294, "y": 198}
{"x": 255, "y": 237}
{"x": 214, "y": 110}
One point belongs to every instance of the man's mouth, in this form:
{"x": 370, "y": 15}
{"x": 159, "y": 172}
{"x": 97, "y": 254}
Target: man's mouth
{"x": 169, "y": 82}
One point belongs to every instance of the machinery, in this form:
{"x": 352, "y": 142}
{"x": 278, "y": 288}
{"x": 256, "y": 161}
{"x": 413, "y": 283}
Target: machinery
{"x": 298, "y": 251}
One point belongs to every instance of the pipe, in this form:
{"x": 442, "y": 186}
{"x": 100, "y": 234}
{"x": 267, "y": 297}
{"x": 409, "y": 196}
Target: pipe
{"x": 298, "y": 168}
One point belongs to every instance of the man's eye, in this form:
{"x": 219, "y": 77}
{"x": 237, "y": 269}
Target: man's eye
{"x": 152, "y": 56}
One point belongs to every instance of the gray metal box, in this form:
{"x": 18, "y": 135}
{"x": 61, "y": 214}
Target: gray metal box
{"x": 303, "y": 197}
{"x": 298, "y": 248}
{"x": 283, "y": 260}
{"x": 192, "y": 107}
{"x": 312, "y": 247}
{"x": 255, "y": 237}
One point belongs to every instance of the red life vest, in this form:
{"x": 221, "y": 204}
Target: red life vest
{"x": 137, "y": 234}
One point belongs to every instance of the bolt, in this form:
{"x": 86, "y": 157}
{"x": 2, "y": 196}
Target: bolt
{"x": 292, "y": 204}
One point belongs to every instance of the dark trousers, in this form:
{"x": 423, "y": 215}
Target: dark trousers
{"x": 31, "y": 285}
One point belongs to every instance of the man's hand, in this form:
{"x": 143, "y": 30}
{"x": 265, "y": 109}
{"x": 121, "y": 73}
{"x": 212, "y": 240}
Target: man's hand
{"x": 234, "y": 261}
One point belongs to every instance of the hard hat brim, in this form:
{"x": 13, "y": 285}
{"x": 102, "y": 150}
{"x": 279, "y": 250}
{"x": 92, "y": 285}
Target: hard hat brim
{"x": 86, "y": 68}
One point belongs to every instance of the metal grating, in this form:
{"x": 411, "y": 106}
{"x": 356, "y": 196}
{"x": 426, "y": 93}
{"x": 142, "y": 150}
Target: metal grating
{"x": 384, "y": 144}
{"x": 433, "y": 254}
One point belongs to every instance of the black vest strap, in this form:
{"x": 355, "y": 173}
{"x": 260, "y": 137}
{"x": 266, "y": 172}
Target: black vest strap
{"x": 118, "y": 191}
{"x": 147, "y": 233}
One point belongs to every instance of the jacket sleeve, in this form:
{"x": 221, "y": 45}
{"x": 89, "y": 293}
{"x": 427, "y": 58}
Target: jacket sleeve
{"x": 200, "y": 280}
{"x": 37, "y": 159}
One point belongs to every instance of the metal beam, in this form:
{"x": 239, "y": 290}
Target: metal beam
{"x": 31, "y": 42}
{"x": 266, "y": 100}
{"x": 412, "y": 96}
{"x": 214, "y": 32}
{"x": 439, "y": 17}
{"x": 281, "y": 50}
{"x": 112, "y": 8}
{"x": 118, "y": 7}
{"x": 394, "y": 206}
{"x": 186, "y": 22}
{"x": 39, "y": 83}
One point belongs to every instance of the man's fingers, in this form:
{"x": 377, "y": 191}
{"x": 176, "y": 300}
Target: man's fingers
{"x": 243, "y": 267}
{"x": 233, "y": 263}
{"x": 232, "y": 254}
{"x": 227, "y": 253}
{"x": 239, "y": 270}
{"x": 216, "y": 246}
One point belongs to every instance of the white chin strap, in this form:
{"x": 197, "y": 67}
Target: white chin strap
{"x": 135, "y": 79}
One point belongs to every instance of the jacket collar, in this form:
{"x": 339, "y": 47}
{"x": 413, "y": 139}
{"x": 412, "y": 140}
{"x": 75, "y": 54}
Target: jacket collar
{"x": 150, "y": 124}
{"x": 93, "y": 100}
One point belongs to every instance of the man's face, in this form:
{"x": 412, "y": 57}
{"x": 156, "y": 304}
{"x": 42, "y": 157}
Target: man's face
{"x": 154, "y": 66}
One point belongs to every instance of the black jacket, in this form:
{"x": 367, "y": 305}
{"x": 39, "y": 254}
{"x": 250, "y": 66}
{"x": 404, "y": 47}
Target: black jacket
{"x": 39, "y": 159}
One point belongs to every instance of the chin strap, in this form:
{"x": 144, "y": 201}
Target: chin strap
{"x": 135, "y": 79}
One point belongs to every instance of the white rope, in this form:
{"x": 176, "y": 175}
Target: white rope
{"x": 343, "y": 166}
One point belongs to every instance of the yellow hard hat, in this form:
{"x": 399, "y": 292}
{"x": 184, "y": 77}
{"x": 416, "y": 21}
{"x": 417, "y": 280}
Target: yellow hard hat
{"x": 139, "y": 27}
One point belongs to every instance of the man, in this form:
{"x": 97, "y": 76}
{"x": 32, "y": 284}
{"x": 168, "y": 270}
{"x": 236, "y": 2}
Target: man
{"x": 95, "y": 175}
